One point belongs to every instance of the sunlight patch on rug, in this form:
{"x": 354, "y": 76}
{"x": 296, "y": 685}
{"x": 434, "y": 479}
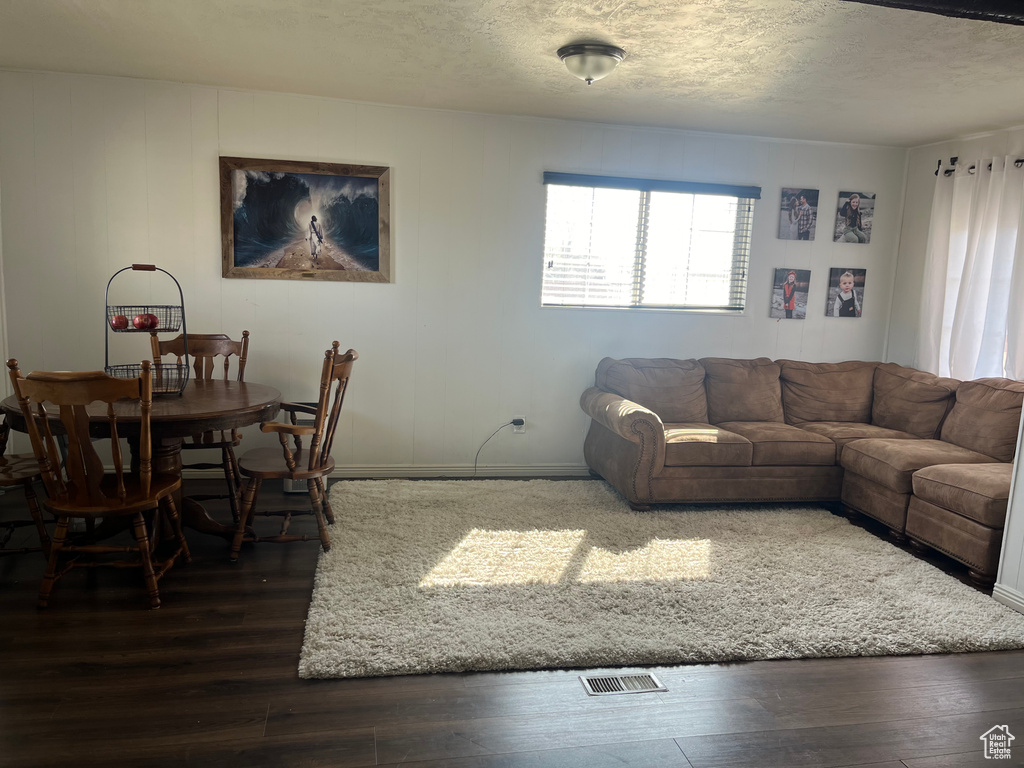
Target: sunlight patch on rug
{"x": 447, "y": 576}
{"x": 506, "y": 557}
{"x": 660, "y": 560}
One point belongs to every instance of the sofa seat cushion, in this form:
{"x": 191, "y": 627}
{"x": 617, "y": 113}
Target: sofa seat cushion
{"x": 778, "y": 444}
{"x": 892, "y": 463}
{"x": 701, "y": 445}
{"x": 978, "y": 492}
{"x": 843, "y": 432}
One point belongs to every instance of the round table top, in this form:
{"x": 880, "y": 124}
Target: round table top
{"x": 202, "y": 406}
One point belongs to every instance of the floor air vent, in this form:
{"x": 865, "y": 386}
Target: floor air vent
{"x": 609, "y": 685}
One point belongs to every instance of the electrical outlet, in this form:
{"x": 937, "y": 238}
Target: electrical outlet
{"x": 519, "y": 428}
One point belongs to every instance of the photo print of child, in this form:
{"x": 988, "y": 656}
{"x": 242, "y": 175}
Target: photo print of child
{"x": 855, "y": 213}
{"x": 798, "y": 213}
{"x": 789, "y": 293}
{"x": 845, "y": 292}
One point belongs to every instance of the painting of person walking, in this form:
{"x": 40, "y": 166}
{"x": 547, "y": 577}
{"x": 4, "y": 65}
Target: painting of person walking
{"x": 789, "y": 293}
{"x": 798, "y": 213}
{"x": 845, "y": 292}
{"x": 292, "y": 220}
{"x": 276, "y": 222}
{"x": 855, "y": 214}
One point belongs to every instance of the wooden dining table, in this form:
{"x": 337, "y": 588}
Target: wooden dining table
{"x": 201, "y": 407}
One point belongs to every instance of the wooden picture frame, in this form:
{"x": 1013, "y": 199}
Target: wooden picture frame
{"x": 294, "y": 220}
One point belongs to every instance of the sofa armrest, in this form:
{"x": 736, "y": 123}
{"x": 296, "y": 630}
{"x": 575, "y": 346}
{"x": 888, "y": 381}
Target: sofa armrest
{"x": 623, "y": 417}
{"x": 631, "y": 465}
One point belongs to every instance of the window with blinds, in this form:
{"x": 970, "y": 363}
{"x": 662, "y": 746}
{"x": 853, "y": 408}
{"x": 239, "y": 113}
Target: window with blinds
{"x": 646, "y": 243}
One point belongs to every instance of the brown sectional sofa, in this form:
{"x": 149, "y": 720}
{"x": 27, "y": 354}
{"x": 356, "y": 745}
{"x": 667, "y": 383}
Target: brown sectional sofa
{"x": 930, "y": 457}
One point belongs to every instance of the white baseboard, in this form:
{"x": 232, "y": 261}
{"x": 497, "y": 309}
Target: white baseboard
{"x": 374, "y": 471}
{"x": 1009, "y": 597}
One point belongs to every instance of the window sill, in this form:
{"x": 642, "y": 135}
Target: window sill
{"x": 669, "y": 310}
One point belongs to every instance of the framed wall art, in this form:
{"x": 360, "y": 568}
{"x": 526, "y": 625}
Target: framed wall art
{"x": 798, "y": 213}
{"x": 292, "y": 220}
{"x": 855, "y": 217}
{"x": 845, "y": 292}
{"x": 789, "y": 293}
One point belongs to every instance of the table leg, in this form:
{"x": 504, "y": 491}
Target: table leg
{"x": 167, "y": 458}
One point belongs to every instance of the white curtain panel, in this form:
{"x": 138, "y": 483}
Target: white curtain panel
{"x": 972, "y": 321}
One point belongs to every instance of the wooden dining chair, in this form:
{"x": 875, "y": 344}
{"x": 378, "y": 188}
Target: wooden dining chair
{"x": 311, "y": 464}
{"x": 204, "y": 348}
{"x": 81, "y": 488}
{"x": 20, "y": 470}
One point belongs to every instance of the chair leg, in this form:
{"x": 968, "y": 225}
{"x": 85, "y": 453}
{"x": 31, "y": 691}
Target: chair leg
{"x": 50, "y": 576}
{"x": 228, "y": 456}
{"x": 175, "y": 518}
{"x": 142, "y": 537}
{"x": 318, "y": 512}
{"x": 328, "y": 511}
{"x": 161, "y": 529}
{"x": 37, "y": 516}
{"x": 245, "y": 515}
{"x": 235, "y": 470}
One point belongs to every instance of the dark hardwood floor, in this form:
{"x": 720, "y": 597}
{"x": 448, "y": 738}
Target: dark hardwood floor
{"x": 210, "y": 679}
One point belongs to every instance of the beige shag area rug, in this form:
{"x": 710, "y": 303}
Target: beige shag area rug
{"x": 447, "y": 576}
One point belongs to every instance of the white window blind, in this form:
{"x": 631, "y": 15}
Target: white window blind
{"x": 613, "y": 242}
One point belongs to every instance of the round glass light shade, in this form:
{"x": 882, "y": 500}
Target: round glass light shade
{"x": 591, "y": 61}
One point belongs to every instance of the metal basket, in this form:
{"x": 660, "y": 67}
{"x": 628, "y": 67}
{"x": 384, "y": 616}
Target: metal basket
{"x": 168, "y": 317}
{"x": 168, "y": 378}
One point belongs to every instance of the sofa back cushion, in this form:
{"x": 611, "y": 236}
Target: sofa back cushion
{"x": 827, "y": 391}
{"x": 986, "y": 417}
{"x": 911, "y": 401}
{"x": 673, "y": 389}
{"x": 742, "y": 390}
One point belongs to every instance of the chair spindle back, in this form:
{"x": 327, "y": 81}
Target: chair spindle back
{"x": 203, "y": 348}
{"x": 334, "y": 378}
{"x": 80, "y": 482}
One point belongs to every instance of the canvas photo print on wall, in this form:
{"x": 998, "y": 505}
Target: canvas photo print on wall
{"x": 789, "y": 293}
{"x": 287, "y": 220}
{"x": 855, "y": 214}
{"x": 798, "y": 213}
{"x": 845, "y": 292}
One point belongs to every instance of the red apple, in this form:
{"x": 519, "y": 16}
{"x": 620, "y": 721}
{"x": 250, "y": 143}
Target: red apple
{"x": 118, "y": 322}
{"x": 141, "y": 322}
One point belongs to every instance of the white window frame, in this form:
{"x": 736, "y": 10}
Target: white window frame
{"x": 742, "y": 234}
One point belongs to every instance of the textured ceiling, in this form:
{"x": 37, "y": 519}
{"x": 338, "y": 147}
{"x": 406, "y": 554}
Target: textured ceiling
{"x": 803, "y": 69}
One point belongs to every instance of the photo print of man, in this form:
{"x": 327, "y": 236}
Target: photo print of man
{"x": 845, "y": 292}
{"x": 798, "y": 213}
{"x": 789, "y": 293}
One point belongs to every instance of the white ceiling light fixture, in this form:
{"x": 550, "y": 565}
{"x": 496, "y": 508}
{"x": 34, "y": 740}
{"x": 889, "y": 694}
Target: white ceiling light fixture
{"x": 590, "y": 61}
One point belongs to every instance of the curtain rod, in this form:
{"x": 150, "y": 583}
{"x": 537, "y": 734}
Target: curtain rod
{"x": 953, "y": 161}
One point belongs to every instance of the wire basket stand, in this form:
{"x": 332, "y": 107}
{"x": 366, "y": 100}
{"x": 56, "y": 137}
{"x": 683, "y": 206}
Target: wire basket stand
{"x": 168, "y": 378}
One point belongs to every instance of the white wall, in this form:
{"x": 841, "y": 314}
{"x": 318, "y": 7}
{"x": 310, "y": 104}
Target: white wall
{"x": 914, "y": 235}
{"x": 98, "y": 173}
